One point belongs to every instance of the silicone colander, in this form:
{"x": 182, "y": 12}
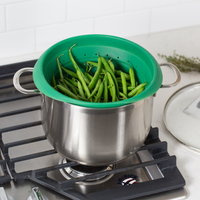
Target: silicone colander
{"x": 87, "y": 48}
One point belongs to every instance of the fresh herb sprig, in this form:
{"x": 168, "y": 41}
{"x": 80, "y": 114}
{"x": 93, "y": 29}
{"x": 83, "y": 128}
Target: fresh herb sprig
{"x": 184, "y": 63}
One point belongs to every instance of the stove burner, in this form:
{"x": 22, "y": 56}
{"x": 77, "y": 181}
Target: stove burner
{"x": 82, "y": 170}
{"x": 89, "y": 169}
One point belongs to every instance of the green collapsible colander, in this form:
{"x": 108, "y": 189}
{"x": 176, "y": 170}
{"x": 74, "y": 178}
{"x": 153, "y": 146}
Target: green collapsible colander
{"x": 87, "y": 49}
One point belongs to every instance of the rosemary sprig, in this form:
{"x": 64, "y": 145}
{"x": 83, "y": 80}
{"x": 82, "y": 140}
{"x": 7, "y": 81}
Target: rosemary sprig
{"x": 183, "y": 63}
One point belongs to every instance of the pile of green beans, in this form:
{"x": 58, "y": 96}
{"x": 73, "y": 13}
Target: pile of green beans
{"x": 106, "y": 84}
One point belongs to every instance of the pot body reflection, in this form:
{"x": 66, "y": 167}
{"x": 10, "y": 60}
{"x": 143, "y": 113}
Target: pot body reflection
{"x": 96, "y": 137}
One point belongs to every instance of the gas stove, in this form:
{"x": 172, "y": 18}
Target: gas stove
{"x": 31, "y": 167}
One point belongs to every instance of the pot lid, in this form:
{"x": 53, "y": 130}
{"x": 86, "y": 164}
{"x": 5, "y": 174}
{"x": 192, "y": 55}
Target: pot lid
{"x": 182, "y": 115}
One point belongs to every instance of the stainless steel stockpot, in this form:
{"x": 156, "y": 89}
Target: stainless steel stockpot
{"x": 93, "y": 136}
{"x": 96, "y": 136}
{"x": 96, "y": 133}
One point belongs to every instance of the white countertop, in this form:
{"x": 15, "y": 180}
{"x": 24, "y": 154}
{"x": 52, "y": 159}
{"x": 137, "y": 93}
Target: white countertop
{"x": 186, "y": 42}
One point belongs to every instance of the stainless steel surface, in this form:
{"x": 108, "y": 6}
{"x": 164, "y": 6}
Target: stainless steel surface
{"x": 146, "y": 156}
{"x": 176, "y": 72}
{"x": 71, "y": 173}
{"x": 114, "y": 181}
{"x": 16, "y": 81}
{"x": 96, "y": 136}
{"x": 183, "y": 127}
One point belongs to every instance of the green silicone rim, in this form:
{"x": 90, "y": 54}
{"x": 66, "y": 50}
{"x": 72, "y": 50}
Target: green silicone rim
{"x": 121, "y": 50}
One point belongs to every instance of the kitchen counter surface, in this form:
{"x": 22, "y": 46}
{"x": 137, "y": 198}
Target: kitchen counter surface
{"x": 186, "y": 42}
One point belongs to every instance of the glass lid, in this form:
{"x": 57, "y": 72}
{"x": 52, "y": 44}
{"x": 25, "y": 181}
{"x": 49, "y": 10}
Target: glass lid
{"x": 182, "y": 115}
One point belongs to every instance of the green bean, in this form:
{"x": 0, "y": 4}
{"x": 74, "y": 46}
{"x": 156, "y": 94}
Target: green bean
{"x": 81, "y": 92}
{"x": 132, "y": 76}
{"x": 71, "y": 73}
{"x": 139, "y": 91}
{"x": 134, "y": 91}
{"x": 110, "y": 88}
{"x": 74, "y": 79}
{"x": 111, "y": 65}
{"x": 67, "y": 92}
{"x": 118, "y": 72}
{"x": 72, "y": 58}
{"x": 81, "y": 79}
{"x": 62, "y": 82}
{"x": 105, "y": 92}
{"x": 53, "y": 81}
{"x": 131, "y": 87}
{"x": 120, "y": 81}
{"x": 85, "y": 78}
{"x": 123, "y": 95}
{"x": 94, "y": 64}
{"x": 124, "y": 85}
{"x": 107, "y": 67}
{"x": 72, "y": 82}
{"x": 99, "y": 93}
{"x": 113, "y": 89}
{"x": 74, "y": 90}
{"x": 96, "y": 75}
{"x": 96, "y": 88}
{"x": 70, "y": 85}
{"x": 87, "y": 68}
{"x": 59, "y": 66}
{"x": 88, "y": 76}
{"x": 103, "y": 71}
{"x": 75, "y": 64}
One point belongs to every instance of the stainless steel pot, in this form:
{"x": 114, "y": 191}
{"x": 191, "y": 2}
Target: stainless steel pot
{"x": 92, "y": 136}
{"x": 96, "y": 136}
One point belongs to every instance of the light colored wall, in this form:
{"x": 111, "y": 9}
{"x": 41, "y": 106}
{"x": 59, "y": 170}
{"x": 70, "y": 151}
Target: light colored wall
{"x": 31, "y": 26}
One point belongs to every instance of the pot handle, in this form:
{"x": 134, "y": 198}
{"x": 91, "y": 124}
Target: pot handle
{"x": 16, "y": 82}
{"x": 176, "y": 72}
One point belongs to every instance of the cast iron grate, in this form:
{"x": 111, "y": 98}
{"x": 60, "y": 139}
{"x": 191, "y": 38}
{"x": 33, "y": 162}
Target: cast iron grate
{"x": 167, "y": 164}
